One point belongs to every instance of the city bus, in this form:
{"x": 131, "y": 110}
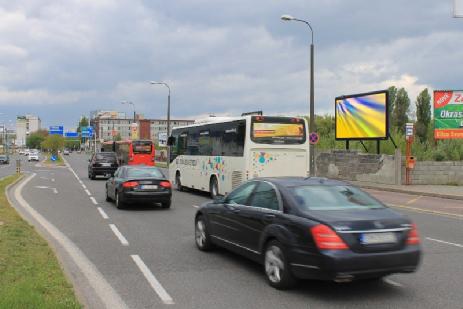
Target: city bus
{"x": 132, "y": 152}
{"x": 219, "y": 154}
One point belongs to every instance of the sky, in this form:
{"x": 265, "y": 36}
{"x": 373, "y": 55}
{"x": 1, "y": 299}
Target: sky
{"x": 62, "y": 59}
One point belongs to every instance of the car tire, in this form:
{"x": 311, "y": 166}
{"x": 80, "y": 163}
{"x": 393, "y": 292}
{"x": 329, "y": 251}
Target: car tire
{"x": 202, "y": 237}
{"x": 276, "y": 266}
{"x": 93, "y": 176}
{"x": 178, "y": 182}
{"x": 167, "y": 204}
{"x": 214, "y": 187}
{"x": 119, "y": 203}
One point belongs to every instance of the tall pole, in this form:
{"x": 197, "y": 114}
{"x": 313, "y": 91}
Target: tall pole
{"x": 311, "y": 103}
{"x": 168, "y": 118}
{"x": 312, "y": 112}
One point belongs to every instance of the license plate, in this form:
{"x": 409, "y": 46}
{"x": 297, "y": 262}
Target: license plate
{"x": 105, "y": 164}
{"x": 378, "y": 238}
{"x": 149, "y": 187}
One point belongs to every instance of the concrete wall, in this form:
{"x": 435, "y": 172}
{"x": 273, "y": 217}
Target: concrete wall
{"x": 436, "y": 173}
{"x": 351, "y": 165}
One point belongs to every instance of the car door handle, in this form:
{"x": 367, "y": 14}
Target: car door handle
{"x": 268, "y": 217}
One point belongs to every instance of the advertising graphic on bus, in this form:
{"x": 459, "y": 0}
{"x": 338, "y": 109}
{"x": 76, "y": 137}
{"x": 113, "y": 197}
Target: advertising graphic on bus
{"x": 218, "y": 155}
{"x": 132, "y": 152}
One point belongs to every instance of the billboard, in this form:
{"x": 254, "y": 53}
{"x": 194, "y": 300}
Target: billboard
{"x": 269, "y": 129}
{"x": 448, "y": 114}
{"x": 362, "y": 116}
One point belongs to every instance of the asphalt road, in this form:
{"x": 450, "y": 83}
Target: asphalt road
{"x": 10, "y": 168}
{"x": 148, "y": 255}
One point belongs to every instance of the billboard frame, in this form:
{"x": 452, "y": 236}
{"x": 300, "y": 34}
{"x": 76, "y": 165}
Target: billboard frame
{"x": 381, "y": 138}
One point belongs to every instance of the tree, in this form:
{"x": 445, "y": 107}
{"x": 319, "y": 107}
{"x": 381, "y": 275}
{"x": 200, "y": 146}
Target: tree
{"x": 82, "y": 123}
{"x": 401, "y": 109}
{"x": 423, "y": 114}
{"x": 53, "y": 143}
{"x": 392, "y": 98}
{"x": 35, "y": 139}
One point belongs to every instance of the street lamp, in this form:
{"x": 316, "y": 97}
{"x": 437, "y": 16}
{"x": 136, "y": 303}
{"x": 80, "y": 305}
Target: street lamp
{"x": 133, "y": 105}
{"x": 168, "y": 117}
{"x": 312, "y": 113}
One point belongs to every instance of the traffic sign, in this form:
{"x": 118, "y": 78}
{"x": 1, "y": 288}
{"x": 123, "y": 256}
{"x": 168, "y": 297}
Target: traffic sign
{"x": 58, "y": 130}
{"x": 71, "y": 134}
{"x": 409, "y": 129}
{"x": 87, "y": 131}
{"x": 314, "y": 138}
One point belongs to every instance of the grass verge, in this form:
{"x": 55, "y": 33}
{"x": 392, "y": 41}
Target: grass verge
{"x": 59, "y": 160}
{"x": 30, "y": 275}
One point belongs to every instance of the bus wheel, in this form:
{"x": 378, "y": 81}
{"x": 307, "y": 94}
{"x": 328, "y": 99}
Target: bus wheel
{"x": 214, "y": 187}
{"x": 178, "y": 182}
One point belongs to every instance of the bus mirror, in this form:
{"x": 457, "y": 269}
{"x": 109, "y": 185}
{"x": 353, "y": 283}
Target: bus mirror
{"x": 171, "y": 141}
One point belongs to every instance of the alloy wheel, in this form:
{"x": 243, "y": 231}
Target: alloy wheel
{"x": 274, "y": 265}
{"x": 200, "y": 233}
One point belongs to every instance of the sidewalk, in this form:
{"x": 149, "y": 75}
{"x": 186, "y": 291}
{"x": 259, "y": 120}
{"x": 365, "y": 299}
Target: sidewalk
{"x": 442, "y": 191}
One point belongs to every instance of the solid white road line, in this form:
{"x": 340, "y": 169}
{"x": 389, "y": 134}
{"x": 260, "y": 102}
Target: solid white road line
{"x": 84, "y": 186}
{"x": 88, "y": 192}
{"x": 195, "y": 206}
{"x": 93, "y": 200}
{"x": 119, "y": 235}
{"x": 445, "y": 242}
{"x": 157, "y": 287}
{"x": 108, "y": 296}
{"x": 392, "y": 282}
{"x": 102, "y": 213}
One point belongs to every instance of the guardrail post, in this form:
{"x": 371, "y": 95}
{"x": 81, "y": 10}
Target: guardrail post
{"x": 18, "y": 166}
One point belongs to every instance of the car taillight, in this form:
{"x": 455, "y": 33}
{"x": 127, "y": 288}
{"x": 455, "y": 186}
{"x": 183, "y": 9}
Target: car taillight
{"x": 413, "y": 237}
{"x": 130, "y": 184}
{"x": 327, "y": 239}
{"x": 165, "y": 184}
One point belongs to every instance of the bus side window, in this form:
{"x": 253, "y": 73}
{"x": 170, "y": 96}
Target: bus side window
{"x": 182, "y": 143}
{"x": 205, "y": 143}
{"x": 193, "y": 142}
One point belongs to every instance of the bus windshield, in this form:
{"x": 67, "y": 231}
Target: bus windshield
{"x": 277, "y": 130}
{"x": 142, "y": 146}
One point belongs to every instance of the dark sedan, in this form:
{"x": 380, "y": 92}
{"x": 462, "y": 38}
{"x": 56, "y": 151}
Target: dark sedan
{"x": 102, "y": 163}
{"x": 310, "y": 228}
{"x": 138, "y": 184}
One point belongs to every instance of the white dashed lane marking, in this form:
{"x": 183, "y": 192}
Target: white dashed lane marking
{"x": 93, "y": 200}
{"x": 157, "y": 287}
{"x": 102, "y": 213}
{"x": 119, "y": 235}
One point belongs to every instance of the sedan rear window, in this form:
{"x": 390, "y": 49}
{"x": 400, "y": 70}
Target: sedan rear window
{"x": 106, "y": 156}
{"x": 333, "y": 198}
{"x": 144, "y": 172}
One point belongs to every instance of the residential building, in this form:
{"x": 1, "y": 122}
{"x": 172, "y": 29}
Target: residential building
{"x": 21, "y": 130}
{"x": 26, "y": 125}
{"x": 108, "y": 127}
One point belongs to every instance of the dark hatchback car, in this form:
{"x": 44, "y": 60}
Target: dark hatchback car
{"x": 102, "y": 163}
{"x": 310, "y": 228}
{"x": 4, "y": 159}
{"x": 138, "y": 184}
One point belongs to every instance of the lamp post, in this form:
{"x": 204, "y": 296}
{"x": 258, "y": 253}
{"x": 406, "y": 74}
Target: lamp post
{"x": 168, "y": 117}
{"x": 312, "y": 113}
{"x": 133, "y": 105}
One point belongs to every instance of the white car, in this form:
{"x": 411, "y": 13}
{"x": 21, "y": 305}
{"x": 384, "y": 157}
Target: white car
{"x": 33, "y": 157}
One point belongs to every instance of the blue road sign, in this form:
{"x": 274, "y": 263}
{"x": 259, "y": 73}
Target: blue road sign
{"x": 71, "y": 134}
{"x": 59, "y": 130}
{"x": 87, "y": 131}
{"x": 53, "y": 158}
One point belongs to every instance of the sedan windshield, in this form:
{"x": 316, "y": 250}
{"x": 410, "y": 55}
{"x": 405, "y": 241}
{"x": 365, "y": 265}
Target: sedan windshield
{"x": 134, "y": 172}
{"x": 333, "y": 198}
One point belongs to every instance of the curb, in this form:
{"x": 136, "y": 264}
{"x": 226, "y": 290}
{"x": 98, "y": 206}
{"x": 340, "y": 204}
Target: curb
{"x": 439, "y": 195}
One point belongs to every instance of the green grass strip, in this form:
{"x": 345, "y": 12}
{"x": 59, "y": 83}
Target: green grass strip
{"x": 30, "y": 275}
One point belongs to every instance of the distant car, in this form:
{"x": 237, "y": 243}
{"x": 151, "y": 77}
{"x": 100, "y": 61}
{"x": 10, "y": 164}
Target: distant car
{"x": 4, "y": 159}
{"x": 66, "y": 152}
{"x": 22, "y": 152}
{"x": 310, "y": 228}
{"x": 33, "y": 156}
{"x": 102, "y": 163}
{"x": 138, "y": 184}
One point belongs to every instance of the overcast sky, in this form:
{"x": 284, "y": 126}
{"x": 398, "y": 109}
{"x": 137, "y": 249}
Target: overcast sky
{"x": 61, "y": 59}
